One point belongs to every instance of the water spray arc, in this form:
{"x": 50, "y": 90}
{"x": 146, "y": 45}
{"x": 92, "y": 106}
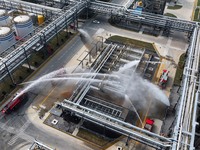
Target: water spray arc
{"x": 132, "y": 106}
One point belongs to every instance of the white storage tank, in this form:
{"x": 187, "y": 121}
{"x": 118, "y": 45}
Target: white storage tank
{"x": 7, "y": 38}
{"x": 4, "y": 18}
{"x": 23, "y": 25}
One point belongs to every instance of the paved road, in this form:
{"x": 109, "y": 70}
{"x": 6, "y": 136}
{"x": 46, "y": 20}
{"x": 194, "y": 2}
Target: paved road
{"x": 20, "y": 128}
{"x": 173, "y": 46}
{"x": 186, "y": 12}
{"x": 61, "y": 58}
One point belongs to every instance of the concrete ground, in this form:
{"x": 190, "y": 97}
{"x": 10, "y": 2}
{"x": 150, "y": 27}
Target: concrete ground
{"x": 173, "y": 46}
{"x": 22, "y": 127}
{"x": 186, "y": 12}
{"x": 171, "y": 111}
{"x": 34, "y": 127}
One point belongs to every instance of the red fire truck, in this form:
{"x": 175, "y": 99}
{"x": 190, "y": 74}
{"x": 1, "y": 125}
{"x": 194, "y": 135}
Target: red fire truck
{"x": 14, "y": 103}
{"x": 163, "y": 79}
{"x": 149, "y": 124}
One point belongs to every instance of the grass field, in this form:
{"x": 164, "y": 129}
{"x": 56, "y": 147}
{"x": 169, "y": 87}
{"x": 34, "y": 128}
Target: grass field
{"x": 35, "y": 60}
{"x": 196, "y": 15}
{"x": 6, "y": 84}
{"x": 175, "y": 7}
{"x": 170, "y": 15}
{"x": 179, "y": 71}
{"x": 98, "y": 140}
{"x": 134, "y": 42}
{"x": 198, "y": 3}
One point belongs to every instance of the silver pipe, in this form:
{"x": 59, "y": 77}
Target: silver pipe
{"x": 43, "y": 145}
{"x": 191, "y": 93}
{"x": 25, "y": 4}
{"x": 194, "y": 123}
{"x": 184, "y": 92}
{"x": 116, "y": 120}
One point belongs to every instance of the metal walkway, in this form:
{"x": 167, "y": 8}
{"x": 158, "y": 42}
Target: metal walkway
{"x": 145, "y": 18}
{"x": 19, "y": 55}
{"x": 28, "y": 7}
{"x": 14, "y": 59}
{"x": 136, "y": 133}
{"x": 185, "y": 121}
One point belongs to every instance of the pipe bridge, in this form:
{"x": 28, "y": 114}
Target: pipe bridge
{"x": 185, "y": 120}
{"x": 119, "y": 126}
{"x": 20, "y": 54}
{"x": 29, "y": 7}
{"x": 156, "y": 20}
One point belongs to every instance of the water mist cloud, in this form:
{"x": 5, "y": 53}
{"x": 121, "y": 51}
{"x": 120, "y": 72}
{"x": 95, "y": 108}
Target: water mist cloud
{"x": 139, "y": 90}
{"x": 143, "y": 91}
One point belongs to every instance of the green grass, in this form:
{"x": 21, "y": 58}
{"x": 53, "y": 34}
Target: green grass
{"x": 5, "y": 87}
{"x": 170, "y": 15}
{"x": 21, "y": 73}
{"x": 196, "y": 15}
{"x": 198, "y": 3}
{"x": 6, "y": 84}
{"x": 55, "y": 43}
{"x": 134, "y": 42}
{"x": 175, "y": 7}
{"x": 105, "y": 0}
{"x": 92, "y": 137}
{"x": 35, "y": 60}
{"x": 37, "y": 57}
{"x": 179, "y": 71}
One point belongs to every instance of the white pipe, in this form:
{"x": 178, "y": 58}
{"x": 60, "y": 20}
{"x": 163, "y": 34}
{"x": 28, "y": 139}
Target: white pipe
{"x": 21, "y": 3}
{"x": 182, "y": 102}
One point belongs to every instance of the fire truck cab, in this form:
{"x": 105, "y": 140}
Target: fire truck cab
{"x": 14, "y": 103}
{"x": 163, "y": 79}
{"x": 149, "y": 124}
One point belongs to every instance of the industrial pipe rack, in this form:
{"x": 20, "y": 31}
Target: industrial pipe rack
{"x": 96, "y": 68}
{"x": 185, "y": 120}
{"x": 136, "y": 133}
{"x": 39, "y": 145}
{"x": 183, "y": 135}
{"x": 113, "y": 123}
{"x": 29, "y": 7}
{"x": 14, "y": 59}
{"x": 146, "y": 18}
{"x": 17, "y": 57}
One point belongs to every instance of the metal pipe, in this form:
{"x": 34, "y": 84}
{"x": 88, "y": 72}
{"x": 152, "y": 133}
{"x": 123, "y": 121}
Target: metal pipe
{"x": 182, "y": 102}
{"x": 191, "y": 93}
{"x": 194, "y": 123}
{"x": 105, "y": 55}
{"x": 114, "y": 120}
{"x": 40, "y": 144}
{"x": 95, "y": 116}
{"x": 36, "y": 6}
{"x": 191, "y": 101}
{"x": 47, "y": 31}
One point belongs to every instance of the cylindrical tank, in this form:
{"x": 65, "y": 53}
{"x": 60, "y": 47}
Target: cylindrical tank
{"x": 4, "y": 18}
{"x": 7, "y": 38}
{"x": 33, "y": 17}
{"x": 40, "y": 19}
{"x": 23, "y": 25}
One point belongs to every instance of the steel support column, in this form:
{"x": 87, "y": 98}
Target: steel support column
{"x": 9, "y": 73}
{"x": 27, "y": 58}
